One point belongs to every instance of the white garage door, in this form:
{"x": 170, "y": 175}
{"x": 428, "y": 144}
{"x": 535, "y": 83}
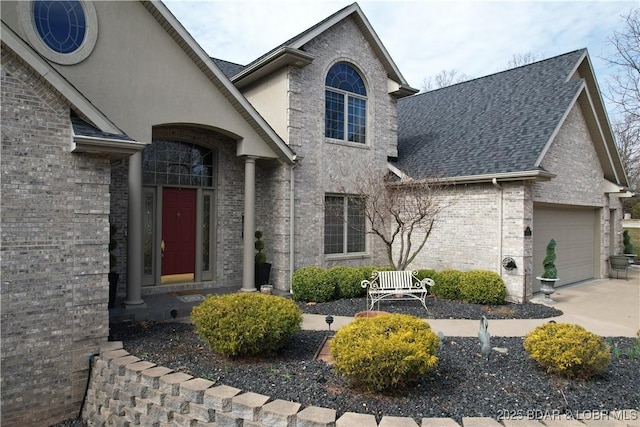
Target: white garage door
{"x": 576, "y": 234}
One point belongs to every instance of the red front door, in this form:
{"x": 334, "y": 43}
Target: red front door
{"x": 178, "y": 230}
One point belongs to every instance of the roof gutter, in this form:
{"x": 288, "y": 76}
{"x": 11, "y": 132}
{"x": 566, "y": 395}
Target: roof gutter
{"x": 533, "y": 175}
{"x": 113, "y": 148}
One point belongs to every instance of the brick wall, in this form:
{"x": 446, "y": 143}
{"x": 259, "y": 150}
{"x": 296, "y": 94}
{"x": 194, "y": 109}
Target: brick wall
{"x": 55, "y": 233}
{"x": 330, "y": 166}
{"x": 579, "y": 179}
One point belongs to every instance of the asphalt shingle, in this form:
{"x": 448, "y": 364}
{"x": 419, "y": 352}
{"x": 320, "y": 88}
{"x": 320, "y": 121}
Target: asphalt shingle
{"x": 494, "y": 124}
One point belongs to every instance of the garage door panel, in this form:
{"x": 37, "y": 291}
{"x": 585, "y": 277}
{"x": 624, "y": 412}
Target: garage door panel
{"x": 574, "y": 231}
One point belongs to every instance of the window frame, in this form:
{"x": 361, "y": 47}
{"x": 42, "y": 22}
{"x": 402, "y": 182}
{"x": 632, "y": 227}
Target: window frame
{"x": 348, "y": 229}
{"x": 27, "y": 22}
{"x": 348, "y": 120}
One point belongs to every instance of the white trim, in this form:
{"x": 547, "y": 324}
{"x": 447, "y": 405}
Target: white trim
{"x": 534, "y": 175}
{"x": 116, "y": 148}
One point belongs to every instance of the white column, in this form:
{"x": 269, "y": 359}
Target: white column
{"x": 134, "y": 233}
{"x": 248, "y": 266}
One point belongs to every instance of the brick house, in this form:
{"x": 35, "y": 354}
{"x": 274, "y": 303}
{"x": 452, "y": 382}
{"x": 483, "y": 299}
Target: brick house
{"x": 128, "y": 122}
{"x": 530, "y": 156}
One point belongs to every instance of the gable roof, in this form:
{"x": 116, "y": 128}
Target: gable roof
{"x": 206, "y": 64}
{"x": 292, "y": 52}
{"x": 500, "y": 126}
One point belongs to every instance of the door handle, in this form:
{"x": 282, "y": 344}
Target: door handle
{"x": 162, "y": 247}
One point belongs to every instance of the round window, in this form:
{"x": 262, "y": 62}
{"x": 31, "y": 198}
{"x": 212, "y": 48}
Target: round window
{"x": 62, "y": 25}
{"x": 63, "y": 31}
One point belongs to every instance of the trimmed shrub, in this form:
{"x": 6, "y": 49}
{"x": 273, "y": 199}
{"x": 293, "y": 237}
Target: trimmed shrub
{"x": 387, "y": 351}
{"x": 346, "y": 281}
{"x": 246, "y": 324}
{"x": 366, "y": 273}
{"x": 312, "y": 284}
{"x": 424, "y": 273}
{"x": 447, "y": 284}
{"x": 568, "y": 350}
{"x": 482, "y": 287}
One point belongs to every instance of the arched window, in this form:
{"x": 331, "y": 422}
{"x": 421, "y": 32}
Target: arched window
{"x": 177, "y": 163}
{"x": 345, "y": 104}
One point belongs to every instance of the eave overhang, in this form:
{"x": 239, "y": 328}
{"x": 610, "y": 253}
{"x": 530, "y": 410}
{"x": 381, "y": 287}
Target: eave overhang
{"x": 532, "y": 175}
{"x": 616, "y": 190}
{"x": 278, "y": 59}
{"x": 114, "y": 149}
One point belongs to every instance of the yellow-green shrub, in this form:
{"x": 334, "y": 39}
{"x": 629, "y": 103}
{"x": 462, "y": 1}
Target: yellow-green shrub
{"x": 568, "y": 350}
{"x": 447, "y": 284}
{"x": 384, "y": 352}
{"x": 246, "y": 323}
{"x": 347, "y": 281}
{"x": 482, "y": 287}
{"x": 312, "y": 284}
{"x": 424, "y": 273}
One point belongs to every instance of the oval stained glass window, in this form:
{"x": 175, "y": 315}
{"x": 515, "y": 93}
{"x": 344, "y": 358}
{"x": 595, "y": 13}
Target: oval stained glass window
{"x": 61, "y": 25}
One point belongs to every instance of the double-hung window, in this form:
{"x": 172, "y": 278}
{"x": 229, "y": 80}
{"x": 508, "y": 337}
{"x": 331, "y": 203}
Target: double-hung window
{"x": 345, "y": 104}
{"x": 344, "y": 225}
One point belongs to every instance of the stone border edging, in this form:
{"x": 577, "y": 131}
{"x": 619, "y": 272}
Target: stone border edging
{"x": 127, "y": 390}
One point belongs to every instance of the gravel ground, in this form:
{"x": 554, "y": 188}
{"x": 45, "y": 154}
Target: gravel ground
{"x": 463, "y": 384}
{"x": 438, "y": 309}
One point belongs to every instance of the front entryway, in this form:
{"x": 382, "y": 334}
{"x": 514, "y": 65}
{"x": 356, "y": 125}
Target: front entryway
{"x": 179, "y": 213}
{"x": 178, "y": 234}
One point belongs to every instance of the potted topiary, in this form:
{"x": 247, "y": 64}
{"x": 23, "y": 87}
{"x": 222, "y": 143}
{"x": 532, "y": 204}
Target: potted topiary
{"x": 262, "y": 267}
{"x": 113, "y": 262}
{"x": 550, "y": 275}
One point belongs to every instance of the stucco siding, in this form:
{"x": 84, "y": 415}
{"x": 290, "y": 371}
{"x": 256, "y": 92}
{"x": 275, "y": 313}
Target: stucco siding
{"x": 55, "y": 233}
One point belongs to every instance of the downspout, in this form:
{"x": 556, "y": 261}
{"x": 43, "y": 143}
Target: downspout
{"x": 292, "y": 227}
{"x": 494, "y": 181}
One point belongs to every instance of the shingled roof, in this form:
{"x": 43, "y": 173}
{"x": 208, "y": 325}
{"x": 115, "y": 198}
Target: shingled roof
{"x": 498, "y": 124}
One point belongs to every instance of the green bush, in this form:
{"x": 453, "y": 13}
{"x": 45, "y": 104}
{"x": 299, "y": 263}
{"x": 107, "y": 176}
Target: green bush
{"x": 384, "y": 352}
{"x": 568, "y": 350}
{"x": 312, "y": 284}
{"x": 482, "y": 287}
{"x": 447, "y": 284}
{"x": 246, "y": 324}
{"x": 424, "y": 273}
{"x": 347, "y": 281}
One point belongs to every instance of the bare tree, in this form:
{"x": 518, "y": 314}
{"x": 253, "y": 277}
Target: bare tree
{"x": 624, "y": 92}
{"x": 624, "y": 89}
{"x": 520, "y": 59}
{"x": 443, "y": 79}
{"x": 627, "y": 133}
{"x": 400, "y": 212}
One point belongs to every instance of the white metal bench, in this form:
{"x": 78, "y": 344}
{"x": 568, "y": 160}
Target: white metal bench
{"x": 397, "y": 285}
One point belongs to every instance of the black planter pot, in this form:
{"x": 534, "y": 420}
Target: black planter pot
{"x": 113, "y": 288}
{"x": 263, "y": 271}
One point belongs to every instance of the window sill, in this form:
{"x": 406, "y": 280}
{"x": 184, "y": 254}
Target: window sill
{"x": 359, "y": 255}
{"x": 347, "y": 143}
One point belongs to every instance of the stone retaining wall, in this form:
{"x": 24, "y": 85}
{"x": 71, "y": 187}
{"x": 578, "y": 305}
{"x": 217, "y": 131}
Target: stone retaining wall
{"x": 126, "y": 391}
